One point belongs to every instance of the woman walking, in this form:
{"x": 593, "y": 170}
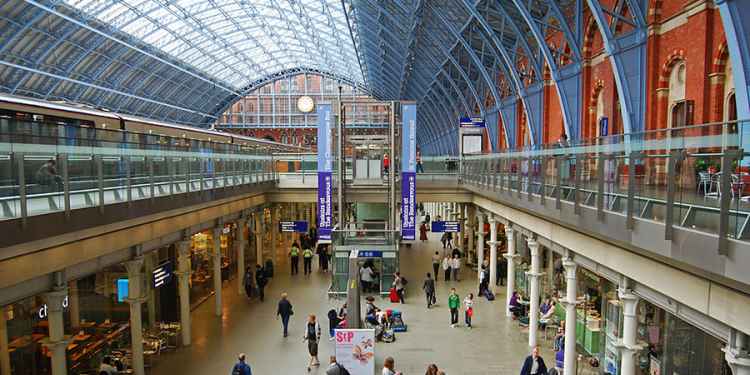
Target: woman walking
{"x": 312, "y": 336}
{"x": 469, "y": 305}
{"x": 447, "y": 268}
{"x": 398, "y": 283}
{"x": 429, "y": 290}
{"x": 423, "y": 232}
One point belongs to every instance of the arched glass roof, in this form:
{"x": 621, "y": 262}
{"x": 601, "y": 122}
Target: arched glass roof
{"x": 237, "y": 41}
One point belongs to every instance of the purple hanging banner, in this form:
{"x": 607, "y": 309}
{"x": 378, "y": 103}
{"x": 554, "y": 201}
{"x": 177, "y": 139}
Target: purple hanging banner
{"x": 408, "y": 172}
{"x": 325, "y": 174}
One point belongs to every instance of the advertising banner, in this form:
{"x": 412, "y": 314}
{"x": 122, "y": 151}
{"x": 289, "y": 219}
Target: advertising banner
{"x": 163, "y": 274}
{"x": 408, "y": 172}
{"x": 325, "y": 173}
{"x": 446, "y": 226}
{"x": 355, "y": 350}
{"x": 299, "y": 226}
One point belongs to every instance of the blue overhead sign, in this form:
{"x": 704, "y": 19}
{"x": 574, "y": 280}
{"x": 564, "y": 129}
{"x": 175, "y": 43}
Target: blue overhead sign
{"x": 370, "y": 254}
{"x": 293, "y": 226}
{"x": 446, "y": 226}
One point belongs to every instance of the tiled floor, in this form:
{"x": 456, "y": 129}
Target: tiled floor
{"x": 495, "y": 346}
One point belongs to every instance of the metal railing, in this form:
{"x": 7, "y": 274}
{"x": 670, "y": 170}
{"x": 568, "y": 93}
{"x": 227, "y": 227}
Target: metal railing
{"x": 695, "y": 177}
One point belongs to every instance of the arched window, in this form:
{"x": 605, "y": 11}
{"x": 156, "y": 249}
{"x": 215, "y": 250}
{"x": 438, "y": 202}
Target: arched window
{"x": 730, "y": 103}
{"x": 678, "y": 116}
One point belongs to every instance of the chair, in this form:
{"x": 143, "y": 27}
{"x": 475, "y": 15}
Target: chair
{"x": 704, "y": 182}
{"x": 738, "y": 186}
{"x": 714, "y": 186}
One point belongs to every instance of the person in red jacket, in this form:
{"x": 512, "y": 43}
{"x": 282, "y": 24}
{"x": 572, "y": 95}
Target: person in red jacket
{"x": 386, "y": 163}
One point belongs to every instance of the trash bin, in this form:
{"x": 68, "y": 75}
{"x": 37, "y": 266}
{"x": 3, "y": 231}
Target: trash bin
{"x": 269, "y": 268}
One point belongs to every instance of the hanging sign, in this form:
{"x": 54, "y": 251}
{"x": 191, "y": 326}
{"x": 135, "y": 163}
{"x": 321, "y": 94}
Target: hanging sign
{"x": 604, "y": 127}
{"x": 471, "y": 122}
{"x": 325, "y": 173}
{"x": 299, "y": 226}
{"x": 446, "y": 226}
{"x": 355, "y": 350}
{"x": 163, "y": 274}
{"x": 408, "y": 172}
{"x": 370, "y": 254}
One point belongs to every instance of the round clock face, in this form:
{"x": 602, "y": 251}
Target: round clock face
{"x": 305, "y": 104}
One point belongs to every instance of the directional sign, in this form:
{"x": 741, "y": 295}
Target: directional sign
{"x": 293, "y": 226}
{"x": 446, "y": 226}
{"x": 370, "y": 254}
{"x": 473, "y": 122}
{"x": 163, "y": 274}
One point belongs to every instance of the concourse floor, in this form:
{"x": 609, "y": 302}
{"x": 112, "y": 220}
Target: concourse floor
{"x": 495, "y": 346}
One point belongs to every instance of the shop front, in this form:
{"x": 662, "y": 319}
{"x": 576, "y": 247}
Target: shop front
{"x": 202, "y": 261}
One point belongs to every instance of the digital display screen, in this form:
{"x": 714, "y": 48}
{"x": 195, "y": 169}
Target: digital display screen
{"x": 472, "y": 144}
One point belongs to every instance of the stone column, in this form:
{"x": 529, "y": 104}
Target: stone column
{"x": 471, "y": 232}
{"x": 135, "y": 299}
{"x": 462, "y": 220}
{"x": 240, "y": 244}
{"x": 57, "y": 342}
{"x": 493, "y": 253}
{"x": 570, "y": 315}
{"x": 217, "y": 269}
{"x": 4, "y": 354}
{"x": 629, "y": 331}
{"x": 183, "y": 274}
{"x": 480, "y": 243}
{"x": 511, "y": 257}
{"x": 259, "y": 237}
{"x": 534, "y": 297}
{"x": 550, "y": 270}
{"x": 74, "y": 305}
{"x": 737, "y": 354}
{"x": 274, "y": 235}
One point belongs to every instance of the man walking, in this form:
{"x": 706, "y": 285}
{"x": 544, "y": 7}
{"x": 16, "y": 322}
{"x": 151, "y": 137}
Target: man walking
{"x": 456, "y": 267}
{"x": 534, "y": 364}
{"x": 284, "y": 311}
{"x": 453, "y": 302}
{"x": 436, "y": 264}
{"x": 429, "y": 290}
{"x": 294, "y": 258}
{"x": 261, "y": 281}
{"x": 241, "y": 368}
{"x": 307, "y": 255}
{"x": 334, "y": 368}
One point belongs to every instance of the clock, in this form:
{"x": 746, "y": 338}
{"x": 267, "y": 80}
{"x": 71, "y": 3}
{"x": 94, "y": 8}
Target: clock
{"x": 305, "y": 104}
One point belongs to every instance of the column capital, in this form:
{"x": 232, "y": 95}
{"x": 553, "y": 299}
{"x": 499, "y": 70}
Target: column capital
{"x": 535, "y": 274}
{"x": 736, "y": 359}
{"x": 183, "y": 248}
{"x": 56, "y": 298}
{"x": 629, "y": 301}
{"x": 492, "y": 219}
{"x": 510, "y": 257}
{"x": 61, "y": 344}
{"x": 570, "y": 268}
{"x": 509, "y": 230}
{"x": 134, "y": 266}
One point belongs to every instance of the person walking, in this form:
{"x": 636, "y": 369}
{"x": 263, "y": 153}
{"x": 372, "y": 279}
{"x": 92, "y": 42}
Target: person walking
{"x": 386, "y": 164}
{"x": 484, "y": 281}
{"x": 312, "y": 336}
{"x": 307, "y": 256}
{"x": 534, "y": 364}
{"x": 436, "y": 265}
{"x": 431, "y": 370}
{"x": 429, "y": 290}
{"x": 294, "y": 258}
{"x": 334, "y": 368}
{"x": 453, "y": 302}
{"x": 449, "y": 240}
{"x": 420, "y": 168}
{"x": 469, "y": 306}
{"x": 423, "y": 232}
{"x": 456, "y": 267}
{"x": 285, "y": 312}
{"x": 447, "y": 268}
{"x": 260, "y": 280}
{"x": 247, "y": 281}
{"x": 399, "y": 284}
{"x": 389, "y": 367}
{"x": 241, "y": 368}
{"x": 323, "y": 257}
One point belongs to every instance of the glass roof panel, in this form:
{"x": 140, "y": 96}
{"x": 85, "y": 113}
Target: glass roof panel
{"x": 238, "y": 41}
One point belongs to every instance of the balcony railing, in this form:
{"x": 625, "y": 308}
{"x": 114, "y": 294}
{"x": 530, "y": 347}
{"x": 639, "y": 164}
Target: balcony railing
{"x": 695, "y": 177}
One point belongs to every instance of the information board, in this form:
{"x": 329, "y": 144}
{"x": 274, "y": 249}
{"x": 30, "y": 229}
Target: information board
{"x": 446, "y": 226}
{"x": 325, "y": 173}
{"x": 299, "y": 226}
{"x": 163, "y": 274}
{"x": 408, "y": 172}
{"x": 355, "y": 350}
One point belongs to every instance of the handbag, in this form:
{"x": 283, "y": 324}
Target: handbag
{"x": 470, "y": 312}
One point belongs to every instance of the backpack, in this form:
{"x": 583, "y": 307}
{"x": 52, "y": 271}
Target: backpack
{"x": 238, "y": 370}
{"x": 404, "y": 281}
{"x": 342, "y": 370}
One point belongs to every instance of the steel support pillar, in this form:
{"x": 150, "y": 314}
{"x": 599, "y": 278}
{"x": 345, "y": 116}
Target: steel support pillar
{"x": 480, "y": 243}
{"x": 511, "y": 257}
{"x": 217, "y": 269}
{"x": 241, "y": 243}
{"x": 493, "y": 253}
{"x": 74, "y": 304}
{"x": 57, "y": 342}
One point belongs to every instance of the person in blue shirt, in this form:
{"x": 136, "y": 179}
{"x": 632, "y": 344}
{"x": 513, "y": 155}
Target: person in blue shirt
{"x": 241, "y": 368}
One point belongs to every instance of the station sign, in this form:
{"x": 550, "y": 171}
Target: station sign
{"x": 369, "y": 254}
{"x": 471, "y": 122}
{"x": 299, "y": 226}
{"x": 163, "y": 274}
{"x": 446, "y": 226}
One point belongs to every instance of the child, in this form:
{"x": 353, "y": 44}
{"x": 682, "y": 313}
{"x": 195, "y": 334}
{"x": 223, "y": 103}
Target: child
{"x": 469, "y": 305}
